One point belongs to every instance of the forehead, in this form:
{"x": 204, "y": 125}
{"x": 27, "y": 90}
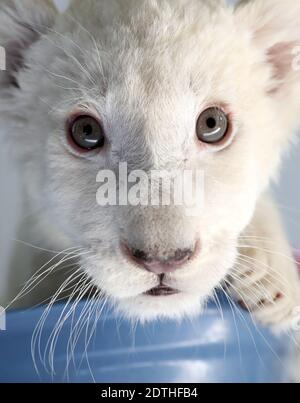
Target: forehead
{"x": 160, "y": 45}
{"x": 153, "y": 52}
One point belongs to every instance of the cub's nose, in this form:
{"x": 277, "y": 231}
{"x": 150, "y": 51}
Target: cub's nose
{"x": 158, "y": 265}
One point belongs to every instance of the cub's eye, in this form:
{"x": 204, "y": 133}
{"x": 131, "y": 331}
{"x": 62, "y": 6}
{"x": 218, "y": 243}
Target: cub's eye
{"x": 87, "y": 133}
{"x": 212, "y": 126}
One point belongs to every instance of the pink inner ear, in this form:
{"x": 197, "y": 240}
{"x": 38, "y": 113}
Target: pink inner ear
{"x": 281, "y": 57}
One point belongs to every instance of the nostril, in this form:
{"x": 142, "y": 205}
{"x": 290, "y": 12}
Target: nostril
{"x": 140, "y": 255}
{"x": 184, "y": 254}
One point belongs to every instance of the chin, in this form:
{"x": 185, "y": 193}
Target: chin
{"x": 146, "y": 308}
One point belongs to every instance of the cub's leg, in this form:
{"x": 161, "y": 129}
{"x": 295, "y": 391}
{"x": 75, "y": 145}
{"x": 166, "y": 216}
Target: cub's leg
{"x": 265, "y": 280}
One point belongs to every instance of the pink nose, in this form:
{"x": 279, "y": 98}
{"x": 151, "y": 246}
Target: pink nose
{"x": 157, "y": 265}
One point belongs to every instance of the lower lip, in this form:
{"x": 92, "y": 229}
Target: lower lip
{"x": 162, "y": 292}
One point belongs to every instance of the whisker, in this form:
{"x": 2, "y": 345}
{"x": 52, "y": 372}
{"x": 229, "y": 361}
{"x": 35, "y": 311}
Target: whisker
{"x": 37, "y": 334}
{"x": 34, "y": 246}
{"x": 272, "y": 252}
{"x": 38, "y": 275}
{"x": 53, "y": 339}
{"x": 255, "y": 263}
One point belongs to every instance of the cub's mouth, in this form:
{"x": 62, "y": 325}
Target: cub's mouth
{"x": 162, "y": 291}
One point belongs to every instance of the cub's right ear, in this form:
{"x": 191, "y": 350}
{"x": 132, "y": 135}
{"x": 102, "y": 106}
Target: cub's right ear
{"x": 22, "y": 23}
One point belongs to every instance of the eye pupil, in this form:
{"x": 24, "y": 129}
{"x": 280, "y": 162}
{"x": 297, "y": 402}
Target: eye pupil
{"x": 88, "y": 130}
{"x": 211, "y": 123}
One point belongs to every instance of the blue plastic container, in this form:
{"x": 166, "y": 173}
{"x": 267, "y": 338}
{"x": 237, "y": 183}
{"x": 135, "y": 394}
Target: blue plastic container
{"x": 212, "y": 348}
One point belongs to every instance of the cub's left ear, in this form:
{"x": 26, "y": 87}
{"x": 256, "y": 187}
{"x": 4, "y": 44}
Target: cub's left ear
{"x": 22, "y": 22}
{"x": 275, "y": 29}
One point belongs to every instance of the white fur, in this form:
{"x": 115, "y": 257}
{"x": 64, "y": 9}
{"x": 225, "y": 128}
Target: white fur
{"x": 148, "y": 68}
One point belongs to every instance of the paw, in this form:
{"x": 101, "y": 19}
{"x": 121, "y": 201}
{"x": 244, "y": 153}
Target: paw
{"x": 266, "y": 285}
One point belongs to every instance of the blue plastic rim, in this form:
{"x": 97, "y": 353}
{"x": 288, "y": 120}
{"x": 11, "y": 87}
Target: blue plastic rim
{"x": 215, "y": 347}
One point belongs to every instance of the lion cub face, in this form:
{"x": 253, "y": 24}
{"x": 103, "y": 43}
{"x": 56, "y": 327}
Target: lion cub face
{"x": 164, "y": 87}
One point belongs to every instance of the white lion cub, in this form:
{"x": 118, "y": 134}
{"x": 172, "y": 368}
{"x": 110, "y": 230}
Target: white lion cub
{"x": 159, "y": 85}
